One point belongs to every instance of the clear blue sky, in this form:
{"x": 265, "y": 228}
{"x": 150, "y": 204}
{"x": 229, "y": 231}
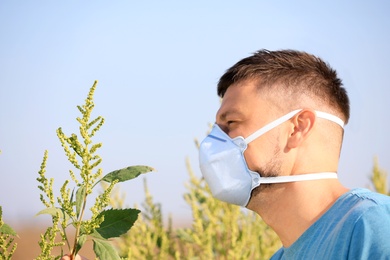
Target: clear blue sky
{"x": 157, "y": 63}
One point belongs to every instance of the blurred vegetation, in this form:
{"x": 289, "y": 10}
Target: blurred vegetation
{"x": 379, "y": 179}
{"x": 7, "y": 237}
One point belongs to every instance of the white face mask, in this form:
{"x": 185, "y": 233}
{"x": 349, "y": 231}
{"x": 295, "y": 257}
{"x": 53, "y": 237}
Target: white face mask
{"x": 225, "y": 170}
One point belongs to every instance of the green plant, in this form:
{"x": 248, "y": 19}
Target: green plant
{"x": 69, "y": 209}
{"x": 379, "y": 179}
{"x": 149, "y": 239}
{"x": 7, "y": 237}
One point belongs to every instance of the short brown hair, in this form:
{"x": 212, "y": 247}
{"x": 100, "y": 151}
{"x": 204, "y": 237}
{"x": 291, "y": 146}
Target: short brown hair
{"x": 296, "y": 71}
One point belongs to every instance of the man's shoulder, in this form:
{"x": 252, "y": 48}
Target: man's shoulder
{"x": 356, "y": 214}
{"x": 363, "y": 199}
{"x": 370, "y": 212}
{"x": 366, "y": 225}
{"x": 358, "y": 204}
{"x": 371, "y": 229}
{"x": 368, "y": 195}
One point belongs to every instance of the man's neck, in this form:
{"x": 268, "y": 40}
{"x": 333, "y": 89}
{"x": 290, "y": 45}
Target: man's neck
{"x": 291, "y": 208}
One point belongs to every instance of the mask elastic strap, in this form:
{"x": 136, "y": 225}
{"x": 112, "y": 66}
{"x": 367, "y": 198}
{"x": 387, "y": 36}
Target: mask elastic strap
{"x": 330, "y": 117}
{"x": 301, "y": 177}
{"x": 288, "y": 116}
{"x": 271, "y": 125}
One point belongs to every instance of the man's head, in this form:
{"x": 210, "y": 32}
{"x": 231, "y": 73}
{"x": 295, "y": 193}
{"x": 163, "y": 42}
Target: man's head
{"x": 292, "y": 76}
{"x": 261, "y": 88}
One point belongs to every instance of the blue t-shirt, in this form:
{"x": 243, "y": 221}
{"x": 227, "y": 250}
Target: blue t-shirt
{"x": 357, "y": 226}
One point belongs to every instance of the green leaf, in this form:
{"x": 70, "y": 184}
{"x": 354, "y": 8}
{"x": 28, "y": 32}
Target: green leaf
{"x": 117, "y": 222}
{"x": 126, "y": 174}
{"x": 80, "y": 193}
{"x": 184, "y": 235}
{"x": 7, "y": 230}
{"x": 96, "y": 235}
{"x": 53, "y": 212}
{"x": 80, "y": 242}
{"x": 104, "y": 250}
{"x": 71, "y": 196}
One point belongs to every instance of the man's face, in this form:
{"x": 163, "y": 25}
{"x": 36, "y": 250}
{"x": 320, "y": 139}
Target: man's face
{"x": 242, "y": 112}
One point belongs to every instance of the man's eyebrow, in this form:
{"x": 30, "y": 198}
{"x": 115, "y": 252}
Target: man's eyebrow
{"x": 230, "y": 112}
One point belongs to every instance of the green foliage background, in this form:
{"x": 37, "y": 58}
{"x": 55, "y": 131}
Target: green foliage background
{"x": 379, "y": 179}
{"x": 7, "y": 238}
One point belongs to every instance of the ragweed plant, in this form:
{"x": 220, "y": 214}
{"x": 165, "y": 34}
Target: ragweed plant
{"x": 68, "y": 210}
{"x": 7, "y": 237}
{"x": 149, "y": 239}
{"x": 379, "y": 179}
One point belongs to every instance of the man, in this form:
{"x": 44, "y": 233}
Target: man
{"x": 275, "y": 149}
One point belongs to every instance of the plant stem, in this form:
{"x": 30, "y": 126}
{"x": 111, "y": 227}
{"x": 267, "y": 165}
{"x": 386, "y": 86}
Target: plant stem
{"x": 86, "y": 181}
{"x": 66, "y": 237}
{"x": 74, "y": 253}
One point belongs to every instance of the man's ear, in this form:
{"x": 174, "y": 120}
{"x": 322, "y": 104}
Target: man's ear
{"x": 303, "y": 123}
